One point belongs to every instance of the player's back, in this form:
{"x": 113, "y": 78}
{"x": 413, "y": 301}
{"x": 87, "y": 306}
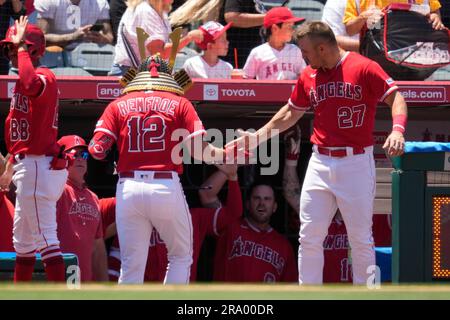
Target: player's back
{"x": 149, "y": 126}
{"x": 32, "y": 124}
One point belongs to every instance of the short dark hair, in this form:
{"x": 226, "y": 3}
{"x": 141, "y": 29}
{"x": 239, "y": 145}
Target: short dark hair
{"x": 259, "y": 182}
{"x": 268, "y": 32}
{"x": 316, "y": 31}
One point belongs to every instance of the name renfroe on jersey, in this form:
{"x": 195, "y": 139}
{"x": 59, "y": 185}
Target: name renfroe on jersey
{"x": 146, "y": 104}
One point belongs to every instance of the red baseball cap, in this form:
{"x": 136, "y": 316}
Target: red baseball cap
{"x": 34, "y": 38}
{"x": 279, "y": 15}
{"x": 72, "y": 141}
{"x": 212, "y": 30}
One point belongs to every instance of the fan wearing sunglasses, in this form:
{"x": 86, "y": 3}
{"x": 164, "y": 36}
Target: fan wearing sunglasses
{"x": 78, "y": 216}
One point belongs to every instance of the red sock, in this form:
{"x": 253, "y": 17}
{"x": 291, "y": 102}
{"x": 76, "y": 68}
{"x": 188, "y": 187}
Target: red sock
{"x": 53, "y": 264}
{"x": 23, "y": 269}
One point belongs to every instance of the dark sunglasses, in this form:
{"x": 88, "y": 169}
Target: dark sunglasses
{"x": 81, "y": 154}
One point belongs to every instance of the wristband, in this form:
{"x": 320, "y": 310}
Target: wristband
{"x": 399, "y": 123}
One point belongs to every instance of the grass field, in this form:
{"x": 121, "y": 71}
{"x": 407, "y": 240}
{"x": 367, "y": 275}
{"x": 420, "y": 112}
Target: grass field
{"x": 224, "y": 292}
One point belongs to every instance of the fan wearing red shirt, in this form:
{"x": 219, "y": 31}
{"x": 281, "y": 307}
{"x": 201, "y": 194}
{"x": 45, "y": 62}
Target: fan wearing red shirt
{"x": 342, "y": 89}
{"x": 205, "y": 221}
{"x": 78, "y": 215}
{"x": 31, "y": 129}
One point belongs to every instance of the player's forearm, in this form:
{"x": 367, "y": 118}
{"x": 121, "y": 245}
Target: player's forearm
{"x": 30, "y": 81}
{"x": 234, "y": 199}
{"x": 285, "y": 118}
{"x": 291, "y": 186}
{"x": 211, "y": 188}
{"x": 99, "y": 261}
{"x": 245, "y": 20}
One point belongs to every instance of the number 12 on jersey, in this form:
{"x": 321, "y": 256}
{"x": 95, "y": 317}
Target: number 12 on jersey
{"x": 146, "y": 134}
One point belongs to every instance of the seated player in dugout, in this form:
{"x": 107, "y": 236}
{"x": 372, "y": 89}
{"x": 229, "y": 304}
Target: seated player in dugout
{"x": 337, "y": 251}
{"x": 205, "y": 221}
{"x": 361, "y": 12}
{"x": 249, "y": 249}
{"x": 78, "y": 215}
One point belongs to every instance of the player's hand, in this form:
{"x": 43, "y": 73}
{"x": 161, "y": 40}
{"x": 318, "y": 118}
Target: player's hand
{"x": 241, "y": 147}
{"x": 436, "y": 21}
{"x": 395, "y": 144}
{"x": 230, "y": 170}
{"x": 20, "y": 25}
{"x": 292, "y": 140}
{"x": 5, "y": 180}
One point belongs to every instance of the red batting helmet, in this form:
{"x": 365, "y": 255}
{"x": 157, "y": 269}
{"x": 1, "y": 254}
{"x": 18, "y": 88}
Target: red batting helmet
{"x": 72, "y": 141}
{"x": 34, "y": 38}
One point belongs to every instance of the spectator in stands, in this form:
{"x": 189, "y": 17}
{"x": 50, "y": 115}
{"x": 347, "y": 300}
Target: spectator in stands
{"x": 247, "y": 18}
{"x": 116, "y": 10}
{"x": 214, "y": 45}
{"x": 151, "y": 16}
{"x": 205, "y": 221}
{"x": 8, "y": 9}
{"x": 250, "y": 250}
{"x": 66, "y": 23}
{"x": 78, "y": 215}
{"x": 359, "y": 12}
{"x": 333, "y": 14}
{"x": 277, "y": 59}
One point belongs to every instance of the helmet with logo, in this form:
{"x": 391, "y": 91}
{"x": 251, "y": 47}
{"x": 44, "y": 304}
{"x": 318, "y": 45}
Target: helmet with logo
{"x": 154, "y": 73}
{"x": 34, "y": 38}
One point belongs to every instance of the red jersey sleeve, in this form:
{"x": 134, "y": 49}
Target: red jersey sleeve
{"x": 232, "y": 211}
{"x": 299, "y": 99}
{"x": 32, "y": 83}
{"x": 190, "y": 120}
{"x": 290, "y": 271}
{"x": 107, "y": 208}
{"x": 378, "y": 81}
{"x": 108, "y": 122}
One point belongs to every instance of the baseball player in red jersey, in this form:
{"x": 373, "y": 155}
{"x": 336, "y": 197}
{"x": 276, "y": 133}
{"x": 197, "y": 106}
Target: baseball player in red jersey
{"x": 205, "y": 221}
{"x": 343, "y": 90}
{"x": 250, "y": 250}
{"x": 30, "y": 132}
{"x": 147, "y": 124}
{"x": 77, "y": 214}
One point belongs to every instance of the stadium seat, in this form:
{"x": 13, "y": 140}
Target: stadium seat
{"x": 308, "y": 9}
{"x": 53, "y": 59}
{"x": 94, "y": 58}
{"x": 441, "y": 74}
{"x": 269, "y": 4}
{"x": 182, "y": 56}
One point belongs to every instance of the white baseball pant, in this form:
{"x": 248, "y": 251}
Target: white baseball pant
{"x": 38, "y": 190}
{"x": 347, "y": 183}
{"x": 144, "y": 202}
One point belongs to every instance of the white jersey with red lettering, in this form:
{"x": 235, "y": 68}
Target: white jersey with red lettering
{"x": 147, "y": 127}
{"x": 341, "y": 171}
{"x": 267, "y": 63}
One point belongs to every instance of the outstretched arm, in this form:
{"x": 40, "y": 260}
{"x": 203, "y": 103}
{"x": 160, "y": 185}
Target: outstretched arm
{"x": 291, "y": 183}
{"x": 213, "y": 184}
{"x": 395, "y": 142}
